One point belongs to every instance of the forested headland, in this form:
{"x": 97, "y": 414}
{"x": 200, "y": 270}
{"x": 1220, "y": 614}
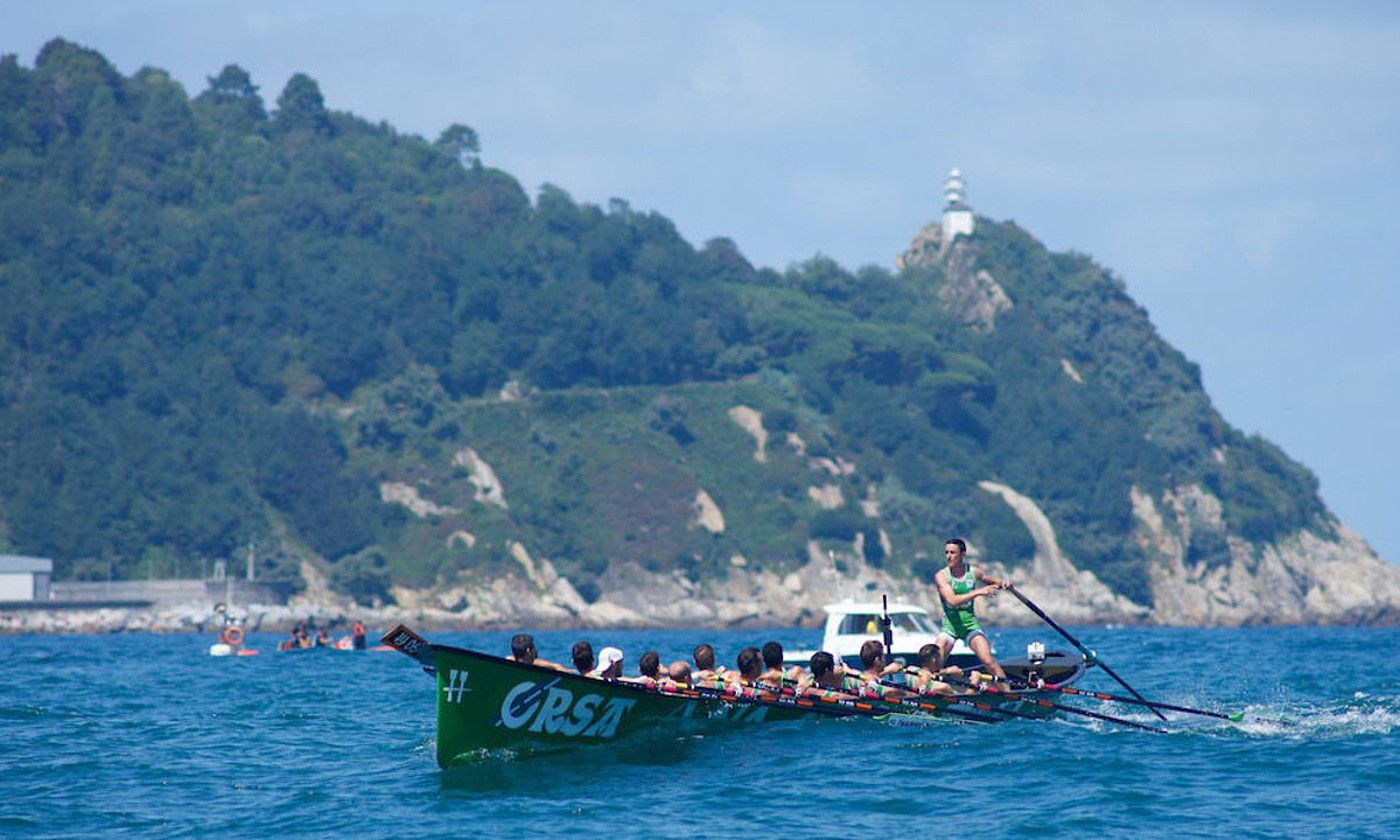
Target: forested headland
{"x": 226, "y": 320}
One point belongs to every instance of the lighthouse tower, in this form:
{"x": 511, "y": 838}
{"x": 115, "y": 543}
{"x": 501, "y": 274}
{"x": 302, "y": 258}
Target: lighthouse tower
{"x": 957, "y": 216}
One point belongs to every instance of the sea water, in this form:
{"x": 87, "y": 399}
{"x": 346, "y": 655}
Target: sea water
{"x": 147, "y": 735}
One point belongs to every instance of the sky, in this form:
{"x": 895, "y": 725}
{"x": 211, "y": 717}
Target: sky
{"x": 1236, "y": 164}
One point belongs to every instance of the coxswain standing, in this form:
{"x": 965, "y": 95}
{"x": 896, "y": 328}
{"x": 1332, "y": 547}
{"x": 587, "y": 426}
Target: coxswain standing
{"x": 958, "y": 589}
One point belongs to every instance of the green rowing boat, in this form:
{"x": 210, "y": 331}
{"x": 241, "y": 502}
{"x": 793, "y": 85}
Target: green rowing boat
{"x": 487, "y": 704}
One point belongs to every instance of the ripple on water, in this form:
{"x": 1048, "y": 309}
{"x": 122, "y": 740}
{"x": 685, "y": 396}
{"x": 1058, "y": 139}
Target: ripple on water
{"x": 148, "y": 735}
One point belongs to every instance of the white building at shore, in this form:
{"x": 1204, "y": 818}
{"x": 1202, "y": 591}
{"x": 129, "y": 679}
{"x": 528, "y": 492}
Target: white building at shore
{"x": 25, "y": 578}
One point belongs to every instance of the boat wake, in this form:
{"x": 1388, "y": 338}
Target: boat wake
{"x": 1362, "y": 715}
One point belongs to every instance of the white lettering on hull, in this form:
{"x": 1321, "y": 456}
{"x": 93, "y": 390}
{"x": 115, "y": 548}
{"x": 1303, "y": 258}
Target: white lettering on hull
{"x": 554, "y": 710}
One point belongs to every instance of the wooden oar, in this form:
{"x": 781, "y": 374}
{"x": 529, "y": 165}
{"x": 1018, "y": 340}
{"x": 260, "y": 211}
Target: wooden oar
{"x": 944, "y": 698}
{"x": 1089, "y": 656}
{"x": 1039, "y": 701}
{"x": 868, "y": 706}
{"x": 1097, "y": 695}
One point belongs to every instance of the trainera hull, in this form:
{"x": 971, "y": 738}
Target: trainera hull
{"x": 488, "y": 705}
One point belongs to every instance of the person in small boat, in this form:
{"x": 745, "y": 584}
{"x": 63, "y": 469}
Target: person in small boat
{"x": 958, "y": 588}
{"x": 705, "y": 672}
{"x": 323, "y": 639}
{"x": 824, "y": 680}
{"x": 582, "y": 654}
{"x": 609, "y": 664}
{"x": 522, "y": 649}
{"x": 925, "y": 679}
{"x": 650, "y": 667}
{"x": 357, "y": 636}
{"x": 303, "y": 637}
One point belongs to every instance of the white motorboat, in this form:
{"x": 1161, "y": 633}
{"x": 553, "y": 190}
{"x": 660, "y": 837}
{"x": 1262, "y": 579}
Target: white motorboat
{"x": 850, "y": 624}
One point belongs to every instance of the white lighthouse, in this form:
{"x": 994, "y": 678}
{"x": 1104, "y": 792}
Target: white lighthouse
{"x": 957, "y": 216}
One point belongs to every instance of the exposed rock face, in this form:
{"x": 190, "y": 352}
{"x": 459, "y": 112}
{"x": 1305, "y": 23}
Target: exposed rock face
{"x": 1077, "y": 595}
{"x": 1305, "y": 578}
{"x": 751, "y": 421}
{"x": 707, "y": 513}
{"x": 970, "y": 294}
{"x": 827, "y": 496}
{"x": 488, "y": 487}
{"x": 408, "y": 496}
{"x": 925, "y": 250}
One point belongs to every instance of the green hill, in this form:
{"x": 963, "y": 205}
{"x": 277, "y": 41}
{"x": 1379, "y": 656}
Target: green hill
{"x": 222, "y": 322}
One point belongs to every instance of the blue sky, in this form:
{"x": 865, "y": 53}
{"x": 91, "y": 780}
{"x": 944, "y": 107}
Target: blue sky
{"x": 1236, "y": 164}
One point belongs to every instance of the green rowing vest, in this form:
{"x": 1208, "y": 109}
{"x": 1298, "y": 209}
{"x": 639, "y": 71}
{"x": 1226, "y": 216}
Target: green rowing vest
{"x": 958, "y": 622}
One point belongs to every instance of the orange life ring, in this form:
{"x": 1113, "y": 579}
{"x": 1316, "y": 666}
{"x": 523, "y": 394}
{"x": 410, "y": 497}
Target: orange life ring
{"x": 232, "y": 636}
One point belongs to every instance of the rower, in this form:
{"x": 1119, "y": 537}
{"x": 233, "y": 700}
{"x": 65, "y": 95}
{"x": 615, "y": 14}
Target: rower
{"x": 609, "y": 664}
{"x": 582, "y": 654}
{"x": 522, "y": 649}
{"x": 925, "y": 679}
{"x": 958, "y": 589}
{"x": 824, "y": 681}
{"x": 705, "y": 670}
{"x": 750, "y": 663}
{"x": 650, "y": 666}
{"x": 677, "y": 676}
{"x": 872, "y": 661}
{"x": 868, "y": 682}
{"x": 357, "y": 636}
{"x": 774, "y": 675}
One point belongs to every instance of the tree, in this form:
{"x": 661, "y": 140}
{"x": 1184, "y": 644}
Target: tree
{"x": 461, "y": 143}
{"x": 301, "y": 107}
{"x": 233, "y": 93}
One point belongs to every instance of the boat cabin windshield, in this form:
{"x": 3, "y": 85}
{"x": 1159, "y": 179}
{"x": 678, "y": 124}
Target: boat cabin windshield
{"x": 868, "y": 624}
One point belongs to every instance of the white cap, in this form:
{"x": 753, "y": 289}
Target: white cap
{"x": 607, "y": 656}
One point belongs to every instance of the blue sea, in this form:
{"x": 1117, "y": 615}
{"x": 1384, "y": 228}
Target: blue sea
{"x": 147, "y": 735}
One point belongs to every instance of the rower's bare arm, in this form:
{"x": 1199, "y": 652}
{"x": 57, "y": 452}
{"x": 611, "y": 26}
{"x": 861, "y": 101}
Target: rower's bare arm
{"x": 952, "y": 599}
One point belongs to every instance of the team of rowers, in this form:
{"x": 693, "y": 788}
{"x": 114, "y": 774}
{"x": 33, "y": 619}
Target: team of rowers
{"x": 761, "y": 670}
{"x": 960, "y": 585}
